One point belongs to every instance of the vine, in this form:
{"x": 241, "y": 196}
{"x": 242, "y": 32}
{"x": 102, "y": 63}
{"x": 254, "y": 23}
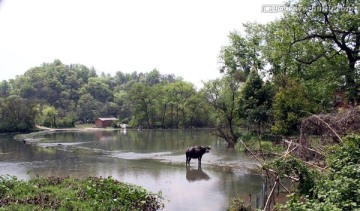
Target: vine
{"x": 290, "y": 167}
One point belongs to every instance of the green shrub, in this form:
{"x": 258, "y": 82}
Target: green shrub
{"x": 93, "y": 193}
{"x": 266, "y": 147}
{"x": 339, "y": 189}
{"x": 236, "y": 204}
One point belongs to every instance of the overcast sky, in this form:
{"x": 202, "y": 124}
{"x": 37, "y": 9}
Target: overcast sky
{"x": 181, "y": 37}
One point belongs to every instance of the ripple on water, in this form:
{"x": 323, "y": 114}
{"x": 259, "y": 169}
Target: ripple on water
{"x": 57, "y": 144}
{"x": 20, "y": 169}
{"x": 138, "y": 156}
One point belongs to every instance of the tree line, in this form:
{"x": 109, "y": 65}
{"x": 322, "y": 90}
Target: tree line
{"x": 62, "y": 95}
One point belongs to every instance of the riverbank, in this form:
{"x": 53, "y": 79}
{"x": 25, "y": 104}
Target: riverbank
{"x": 82, "y": 128}
{"x": 92, "y": 193}
{"x": 33, "y": 137}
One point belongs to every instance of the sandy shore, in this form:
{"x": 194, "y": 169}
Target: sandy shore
{"x": 71, "y": 129}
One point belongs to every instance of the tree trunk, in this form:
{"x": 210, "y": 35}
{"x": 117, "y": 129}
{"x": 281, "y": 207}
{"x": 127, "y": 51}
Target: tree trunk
{"x": 231, "y": 144}
{"x": 352, "y": 91}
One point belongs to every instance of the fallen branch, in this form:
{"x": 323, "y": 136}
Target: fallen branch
{"x": 275, "y": 172}
{"x": 251, "y": 153}
{"x": 284, "y": 187}
{"x": 332, "y": 130}
{"x": 307, "y": 148}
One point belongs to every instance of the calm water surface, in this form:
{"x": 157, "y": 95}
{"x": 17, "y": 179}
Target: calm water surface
{"x": 154, "y": 159}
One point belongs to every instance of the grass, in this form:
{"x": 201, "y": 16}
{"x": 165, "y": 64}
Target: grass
{"x": 254, "y": 144}
{"x": 93, "y": 193}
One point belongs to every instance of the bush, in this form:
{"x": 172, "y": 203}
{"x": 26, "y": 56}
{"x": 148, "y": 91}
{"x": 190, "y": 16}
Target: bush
{"x": 339, "y": 189}
{"x": 236, "y": 204}
{"x": 252, "y": 142}
{"x": 93, "y": 193}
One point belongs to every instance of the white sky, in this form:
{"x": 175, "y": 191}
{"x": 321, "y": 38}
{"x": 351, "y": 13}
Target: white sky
{"x": 181, "y": 37}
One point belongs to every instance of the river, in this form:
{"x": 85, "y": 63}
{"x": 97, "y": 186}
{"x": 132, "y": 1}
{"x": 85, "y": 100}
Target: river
{"x": 154, "y": 159}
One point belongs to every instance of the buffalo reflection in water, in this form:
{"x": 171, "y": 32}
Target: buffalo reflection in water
{"x": 196, "y": 174}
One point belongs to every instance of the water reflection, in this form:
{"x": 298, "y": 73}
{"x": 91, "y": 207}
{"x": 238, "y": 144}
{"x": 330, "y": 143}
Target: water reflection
{"x": 196, "y": 174}
{"x": 103, "y": 135}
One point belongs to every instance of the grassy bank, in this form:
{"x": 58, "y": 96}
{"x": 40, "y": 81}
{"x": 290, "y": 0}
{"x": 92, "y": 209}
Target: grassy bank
{"x": 93, "y": 193}
{"x": 259, "y": 145}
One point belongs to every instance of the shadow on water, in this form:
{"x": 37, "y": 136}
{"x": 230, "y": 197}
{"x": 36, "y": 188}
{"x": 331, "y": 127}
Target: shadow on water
{"x": 196, "y": 174}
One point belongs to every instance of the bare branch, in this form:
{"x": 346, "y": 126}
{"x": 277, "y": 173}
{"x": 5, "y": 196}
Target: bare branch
{"x": 286, "y": 176}
{"x": 307, "y": 148}
{"x": 271, "y": 193}
{"x": 311, "y": 61}
{"x": 261, "y": 163}
{"x": 312, "y": 36}
{"x": 316, "y": 116}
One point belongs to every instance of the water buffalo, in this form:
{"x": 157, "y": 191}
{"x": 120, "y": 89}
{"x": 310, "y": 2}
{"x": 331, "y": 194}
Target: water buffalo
{"x": 196, "y": 152}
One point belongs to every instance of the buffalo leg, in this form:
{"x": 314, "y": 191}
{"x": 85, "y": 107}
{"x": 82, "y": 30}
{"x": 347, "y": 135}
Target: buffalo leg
{"x": 188, "y": 160}
{"x": 199, "y": 161}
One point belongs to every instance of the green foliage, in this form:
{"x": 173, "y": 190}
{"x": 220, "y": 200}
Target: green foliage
{"x": 290, "y": 104}
{"x": 295, "y": 204}
{"x": 142, "y": 98}
{"x": 296, "y": 168}
{"x": 339, "y": 188}
{"x": 236, "y": 204}
{"x": 243, "y": 53}
{"x": 76, "y": 93}
{"x": 259, "y": 146}
{"x": 92, "y": 193}
{"x": 49, "y": 115}
{"x": 222, "y": 95}
{"x": 322, "y": 30}
{"x": 68, "y": 121}
{"x": 7, "y": 183}
{"x": 87, "y": 108}
{"x": 17, "y": 114}
{"x": 255, "y": 103}
{"x": 4, "y": 89}
{"x": 98, "y": 89}
{"x": 167, "y": 105}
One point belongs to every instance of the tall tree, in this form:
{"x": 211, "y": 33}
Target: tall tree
{"x": 98, "y": 89}
{"x": 142, "y": 100}
{"x": 153, "y": 77}
{"x": 178, "y": 94}
{"x": 320, "y": 79}
{"x": 17, "y": 114}
{"x": 255, "y": 102}
{"x": 243, "y": 53}
{"x": 290, "y": 104}
{"x": 88, "y": 108}
{"x": 49, "y": 116}
{"x": 5, "y": 89}
{"x": 222, "y": 95}
{"x": 334, "y": 26}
